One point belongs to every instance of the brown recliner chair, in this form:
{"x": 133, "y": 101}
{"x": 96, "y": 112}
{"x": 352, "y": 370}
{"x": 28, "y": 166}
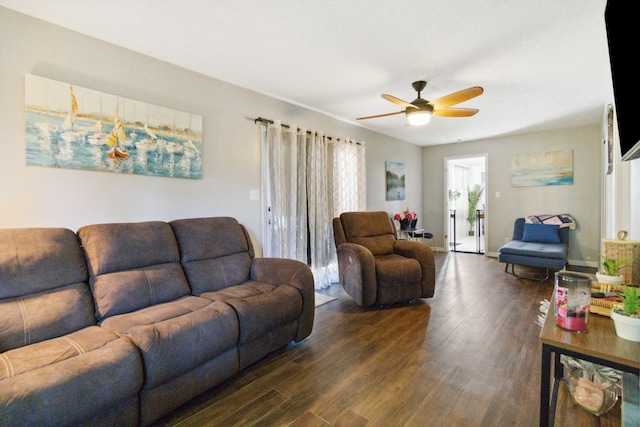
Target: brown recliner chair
{"x": 375, "y": 267}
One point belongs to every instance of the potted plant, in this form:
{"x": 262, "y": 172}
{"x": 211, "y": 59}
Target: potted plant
{"x": 626, "y": 315}
{"x": 453, "y": 195}
{"x": 473, "y": 197}
{"x": 611, "y": 270}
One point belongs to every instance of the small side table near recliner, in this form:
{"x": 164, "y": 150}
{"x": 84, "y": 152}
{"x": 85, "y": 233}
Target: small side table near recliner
{"x": 414, "y": 233}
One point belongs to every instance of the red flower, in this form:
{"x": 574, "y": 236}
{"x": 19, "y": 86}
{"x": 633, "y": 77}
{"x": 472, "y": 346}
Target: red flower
{"x": 405, "y": 215}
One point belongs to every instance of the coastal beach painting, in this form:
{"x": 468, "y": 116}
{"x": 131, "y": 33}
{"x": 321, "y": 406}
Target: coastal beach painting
{"x": 395, "y": 180}
{"x": 547, "y": 168}
{"x": 73, "y": 127}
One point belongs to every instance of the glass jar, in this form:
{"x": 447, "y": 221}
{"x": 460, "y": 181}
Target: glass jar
{"x": 591, "y": 391}
{"x": 572, "y": 299}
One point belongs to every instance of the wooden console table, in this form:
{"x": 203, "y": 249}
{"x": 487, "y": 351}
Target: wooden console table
{"x": 599, "y": 344}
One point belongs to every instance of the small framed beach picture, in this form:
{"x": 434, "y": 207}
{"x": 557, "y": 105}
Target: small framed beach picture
{"x": 72, "y": 127}
{"x": 395, "y": 180}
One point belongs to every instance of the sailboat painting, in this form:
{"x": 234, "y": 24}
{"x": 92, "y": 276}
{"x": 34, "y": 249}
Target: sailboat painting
{"x": 72, "y": 127}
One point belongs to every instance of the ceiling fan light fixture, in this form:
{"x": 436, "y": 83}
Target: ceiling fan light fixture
{"x": 418, "y": 117}
{"x": 419, "y": 111}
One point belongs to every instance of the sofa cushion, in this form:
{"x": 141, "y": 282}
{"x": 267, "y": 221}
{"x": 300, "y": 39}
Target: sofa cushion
{"x": 378, "y": 245}
{"x": 540, "y": 233}
{"x": 44, "y": 315}
{"x": 214, "y": 274}
{"x": 35, "y": 356}
{"x": 132, "y": 266}
{"x": 398, "y": 278}
{"x": 397, "y": 269}
{"x": 536, "y": 250}
{"x": 373, "y": 231}
{"x": 215, "y": 252}
{"x": 178, "y": 336}
{"x": 43, "y": 286}
{"x": 127, "y": 291}
{"x": 65, "y": 380}
{"x": 39, "y": 259}
{"x": 125, "y": 246}
{"x": 260, "y": 307}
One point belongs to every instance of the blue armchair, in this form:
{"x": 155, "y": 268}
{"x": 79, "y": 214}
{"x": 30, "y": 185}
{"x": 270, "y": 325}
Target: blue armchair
{"x": 536, "y": 245}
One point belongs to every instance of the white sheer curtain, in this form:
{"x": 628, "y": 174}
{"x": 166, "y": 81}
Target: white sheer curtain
{"x": 287, "y": 198}
{"x": 323, "y": 258}
{"x": 349, "y": 177}
{"x": 298, "y": 171}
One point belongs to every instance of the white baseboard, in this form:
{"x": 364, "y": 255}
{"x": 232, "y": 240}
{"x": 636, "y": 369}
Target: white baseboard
{"x": 579, "y": 263}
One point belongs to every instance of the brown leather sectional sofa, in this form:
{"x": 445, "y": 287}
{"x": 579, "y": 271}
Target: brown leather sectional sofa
{"x": 119, "y": 324}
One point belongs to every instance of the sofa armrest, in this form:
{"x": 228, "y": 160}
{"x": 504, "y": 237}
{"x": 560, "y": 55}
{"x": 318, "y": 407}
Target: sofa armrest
{"x": 282, "y": 271}
{"x": 358, "y": 272}
{"x": 424, "y": 255}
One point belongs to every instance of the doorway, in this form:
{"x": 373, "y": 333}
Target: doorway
{"x": 465, "y": 210}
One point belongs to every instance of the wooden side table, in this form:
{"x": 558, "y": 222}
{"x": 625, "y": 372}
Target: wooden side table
{"x": 599, "y": 344}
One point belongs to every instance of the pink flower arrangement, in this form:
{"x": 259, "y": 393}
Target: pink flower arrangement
{"x": 407, "y": 214}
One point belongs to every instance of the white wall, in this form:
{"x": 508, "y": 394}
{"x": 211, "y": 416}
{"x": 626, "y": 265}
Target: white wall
{"x": 37, "y": 196}
{"x": 621, "y": 193}
{"x": 582, "y": 199}
{"x": 410, "y": 155}
{"x": 634, "y": 226}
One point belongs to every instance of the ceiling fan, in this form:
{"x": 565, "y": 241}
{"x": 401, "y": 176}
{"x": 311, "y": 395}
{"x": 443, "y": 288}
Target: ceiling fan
{"x": 419, "y": 111}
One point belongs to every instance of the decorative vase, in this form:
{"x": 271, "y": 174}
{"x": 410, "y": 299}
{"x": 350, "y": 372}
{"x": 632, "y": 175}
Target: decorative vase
{"x": 591, "y": 391}
{"x": 611, "y": 280}
{"x": 572, "y": 298}
{"x": 404, "y": 224}
{"x": 626, "y": 327}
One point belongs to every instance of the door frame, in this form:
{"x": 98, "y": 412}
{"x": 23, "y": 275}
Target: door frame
{"x": 447, "y": 232}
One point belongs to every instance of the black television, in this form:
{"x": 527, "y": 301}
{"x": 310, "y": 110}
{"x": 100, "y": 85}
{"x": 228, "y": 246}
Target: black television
{"x": 625, "y": 87}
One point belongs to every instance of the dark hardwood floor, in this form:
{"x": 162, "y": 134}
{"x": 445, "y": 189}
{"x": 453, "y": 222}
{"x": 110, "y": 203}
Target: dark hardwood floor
{"x": 469, "y": 356}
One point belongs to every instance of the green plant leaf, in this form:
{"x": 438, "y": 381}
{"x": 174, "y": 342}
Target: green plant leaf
{"x": 631, "y": 299}
{"x": 611, "y": 266}
{"x": 473, "y": 197}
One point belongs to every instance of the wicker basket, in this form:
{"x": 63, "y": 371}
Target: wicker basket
{"x": 601, "y": 306}
{"x": 618, "y": 249}
{"x": 606, "y": 287}
{"x": 596, "y": 309}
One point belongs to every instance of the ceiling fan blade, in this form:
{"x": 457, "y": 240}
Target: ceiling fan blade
{"x": 455, "y": 112}
{"x": 398, "y": 101}
{"x": 457, "y": 97}
{"x": 380, "y": 115}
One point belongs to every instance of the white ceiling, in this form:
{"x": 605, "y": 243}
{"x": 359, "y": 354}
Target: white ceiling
{"x": 543, "y": 64}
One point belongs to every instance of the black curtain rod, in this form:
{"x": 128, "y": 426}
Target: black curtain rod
{"x": 284, "y": 125}
{"x": 267, "y": 121}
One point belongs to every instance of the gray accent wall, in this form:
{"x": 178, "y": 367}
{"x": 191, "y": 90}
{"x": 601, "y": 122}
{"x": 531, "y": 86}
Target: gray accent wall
{"x": 40, "y": 196}
{"x": 37, "y": 196}
{"x": 582, "y": 199}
